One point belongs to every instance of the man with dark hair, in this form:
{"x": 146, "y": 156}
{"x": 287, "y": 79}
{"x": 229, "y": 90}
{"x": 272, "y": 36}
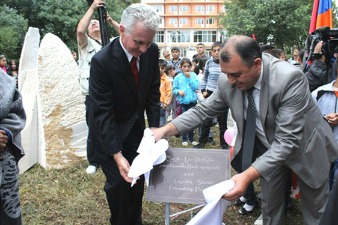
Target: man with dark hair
{"x": 279, "y": 128}
{"x": 201, "y": 51}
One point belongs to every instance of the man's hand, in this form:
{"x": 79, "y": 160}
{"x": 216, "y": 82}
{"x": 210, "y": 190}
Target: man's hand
{"x": 332, "y": 119}
{"x": 166, "y": 131}
{"x": 97, "y": 3}
{"x": 123, "y": 166}
{"x": 242, "y": 181}
{"x": 3, "y": 140}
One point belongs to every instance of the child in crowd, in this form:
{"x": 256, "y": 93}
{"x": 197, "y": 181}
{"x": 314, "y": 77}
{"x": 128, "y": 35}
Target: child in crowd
{"x": 3, "y": 63}
{"x": 185, "y": 87}
{"x": 208, "y": 86}
{"x": 176, "y": 60}
{"x": 170, "y": 71}
{"x": 166, "y": 93}
{"x": 14, "y": 70}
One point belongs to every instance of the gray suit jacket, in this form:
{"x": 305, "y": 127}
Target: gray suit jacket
{"x": 298, "y": 135}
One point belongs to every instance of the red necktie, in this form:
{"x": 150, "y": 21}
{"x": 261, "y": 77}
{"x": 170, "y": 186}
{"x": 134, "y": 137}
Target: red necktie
{"x": 133, "y": 64}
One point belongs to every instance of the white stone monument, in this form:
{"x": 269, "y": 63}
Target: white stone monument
{"x": 28, "y": 86}
{"x": 56, "y": 132}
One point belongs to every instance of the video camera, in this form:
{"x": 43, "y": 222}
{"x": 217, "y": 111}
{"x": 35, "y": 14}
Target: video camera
{"x": 330, "y": 42}
{"x": 102, "y": 11}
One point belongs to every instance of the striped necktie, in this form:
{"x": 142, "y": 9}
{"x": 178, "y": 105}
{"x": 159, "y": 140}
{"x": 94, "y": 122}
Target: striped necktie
{"x": 249, "y": 132}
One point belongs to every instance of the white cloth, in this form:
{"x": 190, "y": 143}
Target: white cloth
{"x": 150, "y": 154}
{"x": 212, "y": 213}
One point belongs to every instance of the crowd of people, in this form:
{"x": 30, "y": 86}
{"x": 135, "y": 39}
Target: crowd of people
{"x": 286, "y": 114}
{"x": 12, "y": 69}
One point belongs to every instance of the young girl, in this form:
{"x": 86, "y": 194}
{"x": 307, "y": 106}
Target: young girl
{"x": 185, "y": 85}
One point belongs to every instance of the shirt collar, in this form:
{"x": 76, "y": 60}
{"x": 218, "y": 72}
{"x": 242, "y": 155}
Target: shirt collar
{"x": 129, "y": 56}
{"x": 259, "y": 81}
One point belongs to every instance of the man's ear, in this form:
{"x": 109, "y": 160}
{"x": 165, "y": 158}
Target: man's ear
{"x": 121, "y": 29}
{"x": 258, "y": 63}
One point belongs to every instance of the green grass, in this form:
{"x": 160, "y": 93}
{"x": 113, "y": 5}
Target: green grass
{"x": 71, "y": 197}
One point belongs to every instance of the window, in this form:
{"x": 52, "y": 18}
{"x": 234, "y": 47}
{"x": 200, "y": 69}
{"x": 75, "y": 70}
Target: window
{"x": 183, "y": 21}
{"x": 199, "y": 8}
{"x": 199, "y": 21}
{"x": 159, "y": 37}
{"x": 173, "y": 21}
{"x": 209, "y": 8}
{"x": 210, "y": 21}
{"x": 158, "y": 8}
{"x": 173, "y": 8}
{"x": 178, "y": 36}
{"x": 183, "y": 8}
{"x": 204, "y": 36}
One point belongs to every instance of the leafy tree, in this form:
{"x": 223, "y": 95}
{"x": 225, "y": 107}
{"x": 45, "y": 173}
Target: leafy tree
{"x": 55, "y": 16}
{"x": 283, "y": 23}
{"x": 12, "y": 32}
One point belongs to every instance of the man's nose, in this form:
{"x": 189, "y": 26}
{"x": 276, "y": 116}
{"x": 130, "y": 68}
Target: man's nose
{"x": 231, "y": 79}
{"x": 144, "y": 47}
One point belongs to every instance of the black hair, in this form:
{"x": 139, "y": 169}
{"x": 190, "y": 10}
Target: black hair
{"x": 276, "y": 52}
{"x": 246, "y": 47}
{"x": 162, "y": 62}
{"x": 216, "y": 44}
{"x": 185, "y": 60}
{"x": 168, "y": 68}
{"x": 265, "y": 47}
{"x": 175, "y": 48}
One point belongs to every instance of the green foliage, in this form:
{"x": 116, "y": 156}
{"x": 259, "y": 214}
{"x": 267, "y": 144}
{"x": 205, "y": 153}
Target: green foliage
{"x": 283, "y": 23}
{"x": 60, "y": 18}
{"x": 49, "y": 16}
{"x": 12, "y": 32}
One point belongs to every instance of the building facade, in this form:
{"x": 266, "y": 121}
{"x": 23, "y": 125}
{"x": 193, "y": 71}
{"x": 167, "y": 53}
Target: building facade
{"x": 185, "y": 23}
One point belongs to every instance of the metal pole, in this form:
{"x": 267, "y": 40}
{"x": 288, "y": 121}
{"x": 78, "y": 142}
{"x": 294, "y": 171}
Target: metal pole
{"x": 167, "y": 213}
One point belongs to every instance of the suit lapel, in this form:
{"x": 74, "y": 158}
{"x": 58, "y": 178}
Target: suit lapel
{"x": 264, "y": 92}
{"x": 143, "y": 72}
{"x": 237, "y": 103}
{"x": 123, "y": 66}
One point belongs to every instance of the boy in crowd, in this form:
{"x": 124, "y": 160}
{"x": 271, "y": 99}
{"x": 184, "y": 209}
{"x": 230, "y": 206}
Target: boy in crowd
{"x": 208, "y": 86}
{"x": 176, "y": 60}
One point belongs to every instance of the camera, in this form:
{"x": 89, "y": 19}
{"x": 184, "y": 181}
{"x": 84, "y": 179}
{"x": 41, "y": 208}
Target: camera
{"x": 330, "y": 42}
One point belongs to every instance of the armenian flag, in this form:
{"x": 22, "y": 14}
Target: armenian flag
{"x": 321, "y": 14}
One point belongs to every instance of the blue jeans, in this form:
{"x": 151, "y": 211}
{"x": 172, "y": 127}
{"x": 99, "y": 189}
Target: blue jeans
{"x": 333, "y": 173}
{"x": 190, "y": 135}
{"x": 163, "y": 116}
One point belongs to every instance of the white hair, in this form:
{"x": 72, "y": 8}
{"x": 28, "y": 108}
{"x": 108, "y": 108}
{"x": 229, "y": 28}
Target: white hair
{"x": 140, "y": 12}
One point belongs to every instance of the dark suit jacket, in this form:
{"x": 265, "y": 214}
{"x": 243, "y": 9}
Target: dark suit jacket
{"x": 115, "y": 102}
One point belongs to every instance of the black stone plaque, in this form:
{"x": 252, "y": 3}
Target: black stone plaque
{"x": 184, "y": 174}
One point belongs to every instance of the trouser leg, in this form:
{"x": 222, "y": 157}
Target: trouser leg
{"x": 273, "y": 198}
{"x": 90, "y": 147}
{"x": 205, "y": 131}
{"x": 222, "y": 124}
{"x": 10, "y": 210}
{"x": 313, "y": 201}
